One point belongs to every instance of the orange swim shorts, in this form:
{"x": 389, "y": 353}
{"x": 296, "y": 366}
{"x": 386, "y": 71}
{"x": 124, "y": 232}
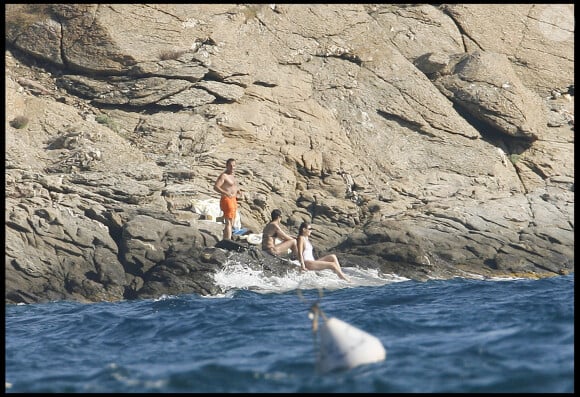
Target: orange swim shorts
{"x": 229, "y": 205}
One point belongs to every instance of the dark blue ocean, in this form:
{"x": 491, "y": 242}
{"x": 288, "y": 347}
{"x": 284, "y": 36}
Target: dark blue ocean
{"x": 453, "y": 336}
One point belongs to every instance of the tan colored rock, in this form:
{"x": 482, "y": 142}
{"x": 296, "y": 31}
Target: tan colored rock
{"x": 331, "y": 116}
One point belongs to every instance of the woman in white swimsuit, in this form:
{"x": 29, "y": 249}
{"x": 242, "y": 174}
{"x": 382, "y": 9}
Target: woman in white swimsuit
{"x": 306, "y": 256}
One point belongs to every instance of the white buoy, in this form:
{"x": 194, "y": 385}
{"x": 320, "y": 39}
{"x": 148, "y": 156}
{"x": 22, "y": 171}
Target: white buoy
{"x": 343, "y": 346}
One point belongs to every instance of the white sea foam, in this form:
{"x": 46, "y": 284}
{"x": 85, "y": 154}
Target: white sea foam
{"x": 164, "y": 297}
{"x": 239, "y": 276}
{"x": 505, "y": 278}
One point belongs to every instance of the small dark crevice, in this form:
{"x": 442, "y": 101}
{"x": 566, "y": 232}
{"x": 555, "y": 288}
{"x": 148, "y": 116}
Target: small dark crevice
{"x": 221, "y": 100}
{"x": 351, "y": 58}
{"x": 444, "y": 8}
{"x": 212, "y": 75}
{"x": 491, "y": 263}
{"x": 412, "y": 125}
{"x": 34, "y": 62}
{"x": 129, "y": 293}
{"x": 492, "y": 135}
{"x": 398, "y": 119}
{"x": 145, "y": 110}
{"x": 264, "y": 84}
{"x": 533, "y": 167}
{"x": 115, "y": 231}
{"x": 346, "y": 56}
{"x": 208, "y": 41}
{"x": 92, "y": 276}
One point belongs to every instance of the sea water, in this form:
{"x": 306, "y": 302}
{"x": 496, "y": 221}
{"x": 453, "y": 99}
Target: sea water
{"x": 441, "y": 336}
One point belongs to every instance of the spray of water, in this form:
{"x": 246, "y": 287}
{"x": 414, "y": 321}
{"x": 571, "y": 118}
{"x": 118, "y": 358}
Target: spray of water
{"x": 235, "y": 276}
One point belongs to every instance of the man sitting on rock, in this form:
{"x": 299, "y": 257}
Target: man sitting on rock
{"x": 272, "y": 232}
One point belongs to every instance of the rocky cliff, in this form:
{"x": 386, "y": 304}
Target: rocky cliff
{"x": 431, "y": 141}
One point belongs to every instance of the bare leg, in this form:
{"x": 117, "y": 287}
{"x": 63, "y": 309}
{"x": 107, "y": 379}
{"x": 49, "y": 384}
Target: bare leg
{"x": 327, "y": 262}
{"x": 228, "y": 229}
{"x": 294, "y": 248}
{"x": 282, "y": 247}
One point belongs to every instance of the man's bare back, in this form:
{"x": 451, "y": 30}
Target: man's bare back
{"x": 273, "y": 231}
{"x": 269, "y": 235}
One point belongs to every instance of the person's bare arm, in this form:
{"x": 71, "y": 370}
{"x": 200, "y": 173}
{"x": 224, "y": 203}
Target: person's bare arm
{"x": 281, "y": 235}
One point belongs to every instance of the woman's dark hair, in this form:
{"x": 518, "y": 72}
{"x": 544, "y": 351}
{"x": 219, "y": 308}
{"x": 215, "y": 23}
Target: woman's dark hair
{"x": 303, "y": 226}
{"x": 276, "y": 214}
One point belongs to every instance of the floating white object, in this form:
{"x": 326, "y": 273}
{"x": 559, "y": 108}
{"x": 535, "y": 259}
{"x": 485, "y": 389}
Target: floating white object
{"x": 343, "y": 346}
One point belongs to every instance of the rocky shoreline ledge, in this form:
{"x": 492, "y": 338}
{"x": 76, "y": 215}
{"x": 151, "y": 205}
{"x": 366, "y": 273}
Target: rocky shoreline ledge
{"x": 427, "y": 141}
{"x": 158, "y": 254}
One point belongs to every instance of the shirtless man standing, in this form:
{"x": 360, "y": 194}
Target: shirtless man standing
{"x": 227, "y": 186}
{"x": 271, "y": 232}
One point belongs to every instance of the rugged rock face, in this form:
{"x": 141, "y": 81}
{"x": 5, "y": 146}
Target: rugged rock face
{"x": 428, "y": 141}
